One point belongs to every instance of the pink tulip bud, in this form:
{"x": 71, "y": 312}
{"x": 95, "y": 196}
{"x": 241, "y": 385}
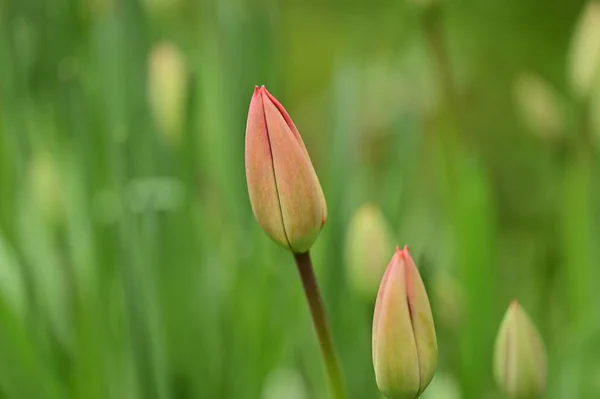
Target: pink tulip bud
{"x": 285, "y": 194}
{"x": 405, "y": 349}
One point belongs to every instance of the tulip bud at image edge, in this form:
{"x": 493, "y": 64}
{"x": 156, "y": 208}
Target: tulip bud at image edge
{"x": 519, "y": 356}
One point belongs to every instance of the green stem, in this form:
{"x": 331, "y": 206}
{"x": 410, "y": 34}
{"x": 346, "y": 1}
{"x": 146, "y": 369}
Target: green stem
{"x": 317, "y": 310}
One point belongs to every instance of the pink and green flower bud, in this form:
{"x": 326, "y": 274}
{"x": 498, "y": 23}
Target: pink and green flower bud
{"x": 405, "y": 352}
{"x": 285, "y": 193}
{"x": 519, "y": 356}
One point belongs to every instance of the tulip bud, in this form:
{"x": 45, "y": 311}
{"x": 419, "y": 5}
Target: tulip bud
{"x": 405, "y": 350}
{"x": 285, "y": 194}
{"x": 519, "y": 357}
{"x": 367, "y": 247}
{"x": 46, "y": 185}
{"x": 284, "y": 383}
{"x": 167, "y": 89}
{"x": 447, "y": 298}
{"x": 539, "y": 105}
{"x": 584, "y": 54}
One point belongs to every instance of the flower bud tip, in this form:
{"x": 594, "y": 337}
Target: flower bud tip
{"x": 403, "y": 253}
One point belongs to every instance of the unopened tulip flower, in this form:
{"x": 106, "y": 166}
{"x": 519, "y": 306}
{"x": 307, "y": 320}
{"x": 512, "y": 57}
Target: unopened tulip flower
{"x": 519, "y": 356}
{"x": 584, "y": 52}
{"x": 167, "y": 89}
{"x": 368, "y": 244}
{"x": 46, "y": 185}
{"x": 447, "y": 298}
{"x": 540, "y": 106}
{"x": 405, "y": 352}
{"x": 285, "y": 194}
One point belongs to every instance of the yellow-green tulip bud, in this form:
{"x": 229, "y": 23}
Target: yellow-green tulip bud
{"x": 405, "y": 352}
{"x": 368, "y": 245}
{"x": 447, "y": 298}
{"x": 167, "y": 89}
{"x": 285, "y": 194}
{"x": 47, "y": 186}
{"x": 584, "y": 52}
{"x": 519, "y": 356}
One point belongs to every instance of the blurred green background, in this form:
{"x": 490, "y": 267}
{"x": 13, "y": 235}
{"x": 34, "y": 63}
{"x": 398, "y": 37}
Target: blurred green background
{"x": 131, "y": 265}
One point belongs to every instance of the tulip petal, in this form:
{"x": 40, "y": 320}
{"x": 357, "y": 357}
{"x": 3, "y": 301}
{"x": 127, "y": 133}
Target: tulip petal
{"x": 260, "y": 175}
{"x": 378, "y": 306}
{"x": 288, "y": 120}
{"x": 300, "y": 194}
{"x": 422, "y": 321}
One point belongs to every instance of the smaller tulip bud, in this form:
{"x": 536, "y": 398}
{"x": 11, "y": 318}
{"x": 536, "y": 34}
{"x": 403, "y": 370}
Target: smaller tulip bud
{"x": 46, "y": 185}
{"x": 584, "y": 52}
{"x": 167, "y": 89}
{"x": 405, "y": 352}
{"x": 540, "y": 106}
{"x": 285, "y": 194}
{"x": 284, "y": 383}
{"x": 368, "y": 245}
{"x": 447, "y": 298}
{"x": 519, "y": 358}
